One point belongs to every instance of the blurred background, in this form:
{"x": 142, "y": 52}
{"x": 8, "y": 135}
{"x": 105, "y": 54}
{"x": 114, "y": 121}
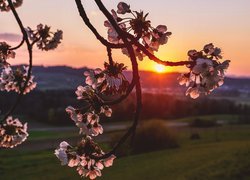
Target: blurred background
{"x": 177, "y": 137}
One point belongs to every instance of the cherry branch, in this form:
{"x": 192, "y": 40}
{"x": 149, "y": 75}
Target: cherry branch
{"x": 123, "y": 97}
{"x": 29, "y": 48}
{"x": 132, "y": 129}
{"x": 86, "y": 20}
{"x": 136, "y": 80}
{"x": 134, "y": 40}
{"x": 159, "y": 61}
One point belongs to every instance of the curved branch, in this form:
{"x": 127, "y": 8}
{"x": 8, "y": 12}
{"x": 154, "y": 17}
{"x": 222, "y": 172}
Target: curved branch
{"x": 18, "y": 46}
{"x": 92, "y": 28}
{"x": 129, "y": 89}
{"x": 136, "y": 80}
{"x": 159, "y": 61}
{"x": 132, "y": 129}
{"x": 123, "y": 97}
{"x": 29, "y": 47}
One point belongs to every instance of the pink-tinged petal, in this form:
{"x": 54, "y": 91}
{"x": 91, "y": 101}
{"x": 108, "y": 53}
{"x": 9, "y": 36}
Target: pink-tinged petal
{"x": 99, "y": 165}
{"x": 73, "y": 162}
{"x": 109, "y": 161}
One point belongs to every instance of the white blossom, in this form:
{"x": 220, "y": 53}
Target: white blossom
{"x": 88, "y": 123}
{"x": 94, "y": 78}
{"x": 92, "y": 117}
{"x": 5, "y": 53}
{"x": 84, "y": 92}
{"x": 79, "y": 157}
{"x": 106, "y": 110}
{"x": 12, "y": 133}
{"x": 109, "y": 161}
{"x": 14, "y": 80}
{"x": 62, "y": 156}
{"x": 206, "y": 72}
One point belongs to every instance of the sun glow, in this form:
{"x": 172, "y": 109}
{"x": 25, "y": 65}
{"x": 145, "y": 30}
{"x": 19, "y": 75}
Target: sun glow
{"x": 160, "y": 68}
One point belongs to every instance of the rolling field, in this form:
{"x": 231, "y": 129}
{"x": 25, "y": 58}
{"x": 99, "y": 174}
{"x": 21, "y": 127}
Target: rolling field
{"x": 221, "y": 153}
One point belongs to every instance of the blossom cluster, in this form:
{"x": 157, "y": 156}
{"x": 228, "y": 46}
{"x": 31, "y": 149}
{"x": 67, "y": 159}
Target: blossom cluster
{"x": 109, "y": 81}
{"x": 14, "y": 80}
{"x": 99, "y": 83}
{"x": 80, "y": 157}
{"x": 5, "y": 53}
{"x": 20, "y": 79}
{"x": 137, "y": 25}
{"x": 44, "y": 38}
{"x": 12, "y": 133}
{"x": 4, "y": 5}
{"x": 89, "y": 122}
{"x": 206, "y": 71}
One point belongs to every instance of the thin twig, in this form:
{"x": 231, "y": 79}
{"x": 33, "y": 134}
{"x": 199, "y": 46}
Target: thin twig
{"x": 123, "y": 97}
{"x": 109, "y": 52}
{"x": 19, "y": 45}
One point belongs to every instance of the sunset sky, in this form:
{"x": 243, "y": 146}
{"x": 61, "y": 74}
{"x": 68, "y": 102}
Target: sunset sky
{"x": 193, "y": 23}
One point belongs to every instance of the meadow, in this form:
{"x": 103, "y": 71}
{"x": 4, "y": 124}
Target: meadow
{"x": 222, "y": 153}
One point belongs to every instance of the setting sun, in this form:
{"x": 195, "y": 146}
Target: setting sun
{"x": 160, "y": 68}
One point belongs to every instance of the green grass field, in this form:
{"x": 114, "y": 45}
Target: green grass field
{"x": 222, "y": 153}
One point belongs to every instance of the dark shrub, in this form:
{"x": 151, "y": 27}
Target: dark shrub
{"x": 153, "y": 135}
{"x": 244, "y": 119}
{"x": 195, "y": 136}
{"x": 124, "y": 149}
{"x": 201, "y": 123}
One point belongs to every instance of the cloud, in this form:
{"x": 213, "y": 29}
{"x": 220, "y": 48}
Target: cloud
{"x": 10, "y": 37}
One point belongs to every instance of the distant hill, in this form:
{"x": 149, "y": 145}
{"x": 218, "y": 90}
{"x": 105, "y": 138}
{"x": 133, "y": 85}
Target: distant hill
{"x": 63, "y": 77}
{"x": 58, "y": 77}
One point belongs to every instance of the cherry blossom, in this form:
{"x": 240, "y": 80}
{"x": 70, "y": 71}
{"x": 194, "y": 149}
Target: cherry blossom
{"x": 14, "y": 80}
{"x": 112, "y": 34}
{"x": 80, "y": 157}
{"x": 5, "y": 53}
{"x": 88, "y": 121}
{"x": 106, "y": 110}
{"x": 206, "y": 72}
{"x": 12, "y": 132}
{"x": 61, "y": 152}
{"x": 94, "y": 78}
{"x": 4, "y": 5}
{"x": 44, "y": 38}
{"x": 140, "y": 27}
{"x": 84, "y": 93}
{"x": 114, "y": 82}
{"x": 123, "y": 8}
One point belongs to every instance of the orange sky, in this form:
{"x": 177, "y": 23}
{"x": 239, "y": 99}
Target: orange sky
{"x": 193, "y": 23}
